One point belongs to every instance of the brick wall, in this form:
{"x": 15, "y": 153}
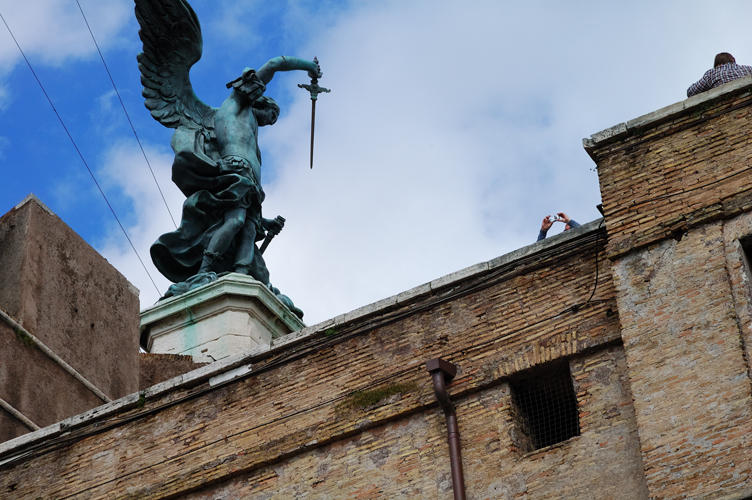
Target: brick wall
{"x": 676, "y": 191}
{"x": 662, "y": 180}
{"x": 294, "y": 424}
{"x": 156, "y": 368}
{"x": 407, "y": 458}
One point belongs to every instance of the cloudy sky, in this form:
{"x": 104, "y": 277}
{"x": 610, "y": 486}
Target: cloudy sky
{"x": 452, "y": 128}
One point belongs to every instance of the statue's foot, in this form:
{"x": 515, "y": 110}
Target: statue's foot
{"x": 193, "y": 282}
{"x": 242, "y": 270}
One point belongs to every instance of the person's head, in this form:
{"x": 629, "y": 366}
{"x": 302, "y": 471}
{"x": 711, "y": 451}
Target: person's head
{"x": 266, "y": 110}
{"x": 723, "y": 58}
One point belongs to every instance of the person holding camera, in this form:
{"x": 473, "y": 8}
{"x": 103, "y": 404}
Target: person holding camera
{"x": 549, "y": 220}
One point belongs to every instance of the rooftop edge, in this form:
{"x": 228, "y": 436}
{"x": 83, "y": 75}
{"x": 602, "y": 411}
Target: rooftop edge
{"x": 659, "y": 116}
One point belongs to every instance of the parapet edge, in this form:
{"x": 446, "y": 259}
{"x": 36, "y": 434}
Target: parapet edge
{"x": 665, "y": 114}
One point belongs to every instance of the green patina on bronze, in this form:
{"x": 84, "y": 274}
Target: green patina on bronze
{"x": 217, "y": 159}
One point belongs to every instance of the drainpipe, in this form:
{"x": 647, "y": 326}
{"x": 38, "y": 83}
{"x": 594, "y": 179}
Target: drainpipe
{"x": 440, "y": 371}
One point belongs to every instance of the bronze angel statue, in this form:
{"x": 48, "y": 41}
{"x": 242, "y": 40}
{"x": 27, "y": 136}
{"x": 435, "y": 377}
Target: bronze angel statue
{"x": 217, "y": 160}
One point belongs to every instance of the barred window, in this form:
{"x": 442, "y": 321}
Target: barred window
{"x": 545, "y": 407}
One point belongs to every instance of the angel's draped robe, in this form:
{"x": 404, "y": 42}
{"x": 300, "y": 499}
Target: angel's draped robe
{"x": 210, "y": 195}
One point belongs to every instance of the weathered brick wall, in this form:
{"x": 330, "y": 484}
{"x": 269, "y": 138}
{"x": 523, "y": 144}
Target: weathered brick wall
{"x": 689, "y": 377}
{"x": 676, "y": 194}
{"x": 407, "y": 458}
{"x": 661, "y": 181}
{"x": 294, "y": 420}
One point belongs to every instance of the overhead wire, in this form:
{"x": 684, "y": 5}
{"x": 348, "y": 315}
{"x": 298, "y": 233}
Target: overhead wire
{"x": 127, "y": 116}
{"x": 83, "y": 160}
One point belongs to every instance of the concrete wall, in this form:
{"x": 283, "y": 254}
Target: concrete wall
{"x": 68, "y": 296}
{"x": 36, "y": 386}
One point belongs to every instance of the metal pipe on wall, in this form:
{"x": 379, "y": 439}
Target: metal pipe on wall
{"x": 441, "y": 371}
{"x": 54, "y": 357}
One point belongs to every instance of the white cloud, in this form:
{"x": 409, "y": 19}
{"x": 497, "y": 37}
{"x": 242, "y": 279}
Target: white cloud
{"x": 449, "y": 133}
{"x": 54, "y": 31}
{"x": 125, "y": 167}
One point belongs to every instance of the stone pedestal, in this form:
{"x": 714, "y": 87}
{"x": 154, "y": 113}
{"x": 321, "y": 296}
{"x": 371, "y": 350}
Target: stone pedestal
{"x": 229, "y": 316}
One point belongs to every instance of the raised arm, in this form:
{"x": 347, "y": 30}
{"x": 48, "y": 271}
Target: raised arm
{"x": 286, "y": 63}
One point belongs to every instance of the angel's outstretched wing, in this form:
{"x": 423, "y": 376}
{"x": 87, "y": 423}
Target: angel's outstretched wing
{"x": 172, "y": 41}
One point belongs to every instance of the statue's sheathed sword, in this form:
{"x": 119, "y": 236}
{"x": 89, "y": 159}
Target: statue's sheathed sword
{"x": 315, "y": 90}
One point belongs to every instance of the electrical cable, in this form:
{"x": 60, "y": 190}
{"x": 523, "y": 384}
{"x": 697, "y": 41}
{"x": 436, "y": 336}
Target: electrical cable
{"x": 80, "y": 154}
{"x": 127, "y": 116}
{"x": 596, "y": 260}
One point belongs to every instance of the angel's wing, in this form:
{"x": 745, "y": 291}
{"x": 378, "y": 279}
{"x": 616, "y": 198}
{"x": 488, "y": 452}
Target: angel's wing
{"x": 172, "y": 41}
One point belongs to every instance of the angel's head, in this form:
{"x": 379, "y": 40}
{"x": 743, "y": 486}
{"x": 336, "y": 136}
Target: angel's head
{"x": 266, "y": 110}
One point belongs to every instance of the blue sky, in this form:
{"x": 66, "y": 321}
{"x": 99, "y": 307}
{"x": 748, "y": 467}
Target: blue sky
{"x": 451, "y": 130}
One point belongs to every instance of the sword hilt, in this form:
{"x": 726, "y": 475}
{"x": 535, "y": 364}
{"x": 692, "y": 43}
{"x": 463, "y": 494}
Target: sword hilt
{"x": 314, "y": 87}
{"x": 270, "y": 236}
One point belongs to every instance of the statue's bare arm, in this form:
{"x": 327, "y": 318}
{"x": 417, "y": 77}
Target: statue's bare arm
{"x": 285, "y": 63}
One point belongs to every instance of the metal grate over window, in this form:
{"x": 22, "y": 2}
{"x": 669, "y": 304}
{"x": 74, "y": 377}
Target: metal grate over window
{"x": 546, "y": 407}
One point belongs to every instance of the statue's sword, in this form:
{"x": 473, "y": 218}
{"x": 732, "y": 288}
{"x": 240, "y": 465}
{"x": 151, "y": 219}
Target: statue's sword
{"x": 315, "y": 90}
{"x": 270, "y": 236}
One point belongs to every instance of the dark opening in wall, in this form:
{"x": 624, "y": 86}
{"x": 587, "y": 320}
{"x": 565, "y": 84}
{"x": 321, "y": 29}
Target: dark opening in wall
{"x": 747, "y": 255}
{"x": 545, "y": 407}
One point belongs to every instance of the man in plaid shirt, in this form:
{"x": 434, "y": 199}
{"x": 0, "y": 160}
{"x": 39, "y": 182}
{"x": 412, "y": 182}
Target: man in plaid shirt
{"x": 724, "y": 70}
